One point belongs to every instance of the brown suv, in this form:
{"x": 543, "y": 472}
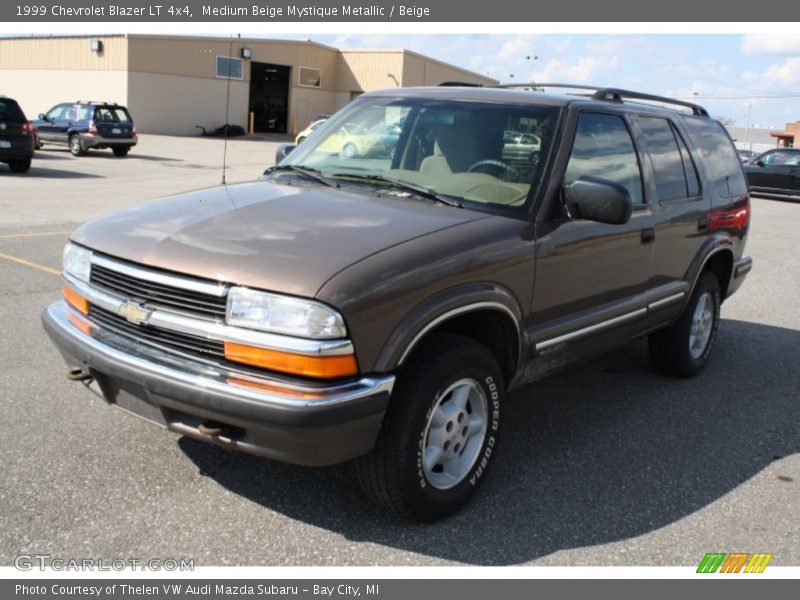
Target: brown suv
{"x": 378, "y": 304}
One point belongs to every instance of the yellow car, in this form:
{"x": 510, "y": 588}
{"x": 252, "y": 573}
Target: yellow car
{"x": 353, "y": 140}
{"x": 308, "y": 130}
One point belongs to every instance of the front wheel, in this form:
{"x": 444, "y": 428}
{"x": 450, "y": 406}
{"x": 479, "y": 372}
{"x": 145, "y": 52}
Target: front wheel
{"x": 682, "y": 349}
{"x": 440, "y": 432}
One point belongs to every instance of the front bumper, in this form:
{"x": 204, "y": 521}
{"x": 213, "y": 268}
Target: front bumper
{"x": 90, "y": 140}
{"x": 298, "y": 423}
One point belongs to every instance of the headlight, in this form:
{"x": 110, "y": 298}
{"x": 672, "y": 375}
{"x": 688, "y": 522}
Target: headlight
{"x": 77, "y": 262}
{"x": 283, "y": 314}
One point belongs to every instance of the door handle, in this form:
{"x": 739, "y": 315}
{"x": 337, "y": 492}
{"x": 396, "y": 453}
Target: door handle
{"x": 648, "y": 235}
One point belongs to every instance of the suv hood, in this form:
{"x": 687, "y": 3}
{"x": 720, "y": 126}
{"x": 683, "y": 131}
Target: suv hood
{"x": 286, "y": 238}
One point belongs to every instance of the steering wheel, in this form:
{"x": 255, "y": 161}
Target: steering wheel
{"x": 508, "y": 170}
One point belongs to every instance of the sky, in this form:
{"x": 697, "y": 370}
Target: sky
{"x": 722, "y": 72}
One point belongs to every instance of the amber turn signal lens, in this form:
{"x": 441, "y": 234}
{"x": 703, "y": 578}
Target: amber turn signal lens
{"x": 76, "y": 301}
{"x": 326, "y": 367}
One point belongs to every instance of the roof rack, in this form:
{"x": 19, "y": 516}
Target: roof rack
{"x": 613, "y": 94}
{"x": 96, "y": 102}
{"x": 459, "y": 84}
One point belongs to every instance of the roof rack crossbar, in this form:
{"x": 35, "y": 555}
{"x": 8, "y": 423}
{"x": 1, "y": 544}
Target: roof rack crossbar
{"x": 612, "y": 94}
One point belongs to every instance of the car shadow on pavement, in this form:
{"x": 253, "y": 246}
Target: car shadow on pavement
{"x": 47, "y": 173}
{"x": 45, "y": 155}
{"x": 598, "y": 453}
{"x": 107, "y": 154}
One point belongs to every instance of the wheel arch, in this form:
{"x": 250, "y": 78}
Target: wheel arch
{"x": 489, "y": 314}
{"x": 718, "y": 258}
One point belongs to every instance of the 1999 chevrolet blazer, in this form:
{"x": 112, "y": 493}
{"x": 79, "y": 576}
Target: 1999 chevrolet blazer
{"x": 378, "y": 304}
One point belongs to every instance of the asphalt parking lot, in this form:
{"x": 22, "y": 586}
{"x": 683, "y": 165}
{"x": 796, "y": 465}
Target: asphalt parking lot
{"x": 603, "y": 464}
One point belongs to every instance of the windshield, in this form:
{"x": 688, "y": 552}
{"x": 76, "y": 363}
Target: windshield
{"x": 484, "y": 155}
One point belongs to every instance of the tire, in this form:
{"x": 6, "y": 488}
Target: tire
{"x": 121, "y": 151}
{"x": 300, "y": 140}
{"x": 396, "y": 474}
{"x": 350, "y": 150}
{"x": 20, "y": 166}
{"x": 682, "y": 350}
{"x": 75, "y": 145}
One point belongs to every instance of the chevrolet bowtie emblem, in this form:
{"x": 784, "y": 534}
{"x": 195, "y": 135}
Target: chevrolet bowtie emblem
{"x": 134, "y": 313}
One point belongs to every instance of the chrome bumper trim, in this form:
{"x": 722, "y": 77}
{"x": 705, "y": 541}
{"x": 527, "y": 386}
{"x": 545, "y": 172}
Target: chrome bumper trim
{"x": 212, "y": 330}
{"x": 73, "y": 329}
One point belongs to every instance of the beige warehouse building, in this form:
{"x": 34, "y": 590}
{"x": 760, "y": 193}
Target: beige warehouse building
{"x": 171, "y": 84}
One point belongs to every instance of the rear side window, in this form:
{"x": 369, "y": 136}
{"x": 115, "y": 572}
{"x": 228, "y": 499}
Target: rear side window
{"x": 718, "y": 153}
{"x": 111, "y": 114}
{"x": 674, "y": 172}
{"x": 10, "y": 112}
{"x": 603, "y": 148}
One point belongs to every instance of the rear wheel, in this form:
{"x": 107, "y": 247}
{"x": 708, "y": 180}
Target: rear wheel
{"x": 20, "y": 166}
{"x": 682, "y": 350}
{"x": 121, "y": 151}
{"x": 75, "y": 145}
{"x": 440, "y": 432}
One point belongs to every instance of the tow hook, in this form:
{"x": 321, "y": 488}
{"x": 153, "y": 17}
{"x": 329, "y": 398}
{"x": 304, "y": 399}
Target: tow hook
{"x": 79, "y": 375}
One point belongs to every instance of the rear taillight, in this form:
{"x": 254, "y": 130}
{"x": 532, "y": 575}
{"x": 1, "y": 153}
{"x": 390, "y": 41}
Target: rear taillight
{"x": 26, "y": 127}
{"x": 133, "y": 131}
{"x": 92, "y": 128}
{"x": 735, "y": 217}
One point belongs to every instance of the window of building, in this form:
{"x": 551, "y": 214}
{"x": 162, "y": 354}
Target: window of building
{"x": 230, "y": 68}
{"x": 310, "y": 77}
{"x": 603, "y": 148}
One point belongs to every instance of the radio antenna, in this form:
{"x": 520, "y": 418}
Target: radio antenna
{"x": 227, "y": 112}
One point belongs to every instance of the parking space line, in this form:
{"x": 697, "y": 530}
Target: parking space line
{"x": 28, "y": 263}
{"x": 12, "y": 236}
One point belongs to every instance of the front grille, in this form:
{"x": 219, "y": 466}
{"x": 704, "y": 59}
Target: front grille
{"x": 160, "y": 338}
{"x": 157, "y": 295}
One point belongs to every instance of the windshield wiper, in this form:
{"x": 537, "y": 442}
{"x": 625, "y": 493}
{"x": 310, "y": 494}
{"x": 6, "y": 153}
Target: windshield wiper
{"x": 309, "y": 172}
{"x": 399, "y": 184}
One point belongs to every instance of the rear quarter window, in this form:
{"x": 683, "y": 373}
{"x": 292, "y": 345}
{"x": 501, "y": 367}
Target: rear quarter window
{"x": 112, "y": 114}
{"x": 719, "y": 155}
{"x": 10, "y": 112}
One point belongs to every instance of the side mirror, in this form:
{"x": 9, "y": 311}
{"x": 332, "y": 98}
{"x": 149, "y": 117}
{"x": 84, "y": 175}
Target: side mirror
{"x": 283, "y": 151}
{"x": 43, "y": 116}
{"x": 758, "y": 162}
{"x": 599, "y": 200}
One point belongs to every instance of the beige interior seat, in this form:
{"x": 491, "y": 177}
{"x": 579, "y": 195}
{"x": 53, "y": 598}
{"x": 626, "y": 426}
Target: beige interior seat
{"x": 455, "y": 150}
